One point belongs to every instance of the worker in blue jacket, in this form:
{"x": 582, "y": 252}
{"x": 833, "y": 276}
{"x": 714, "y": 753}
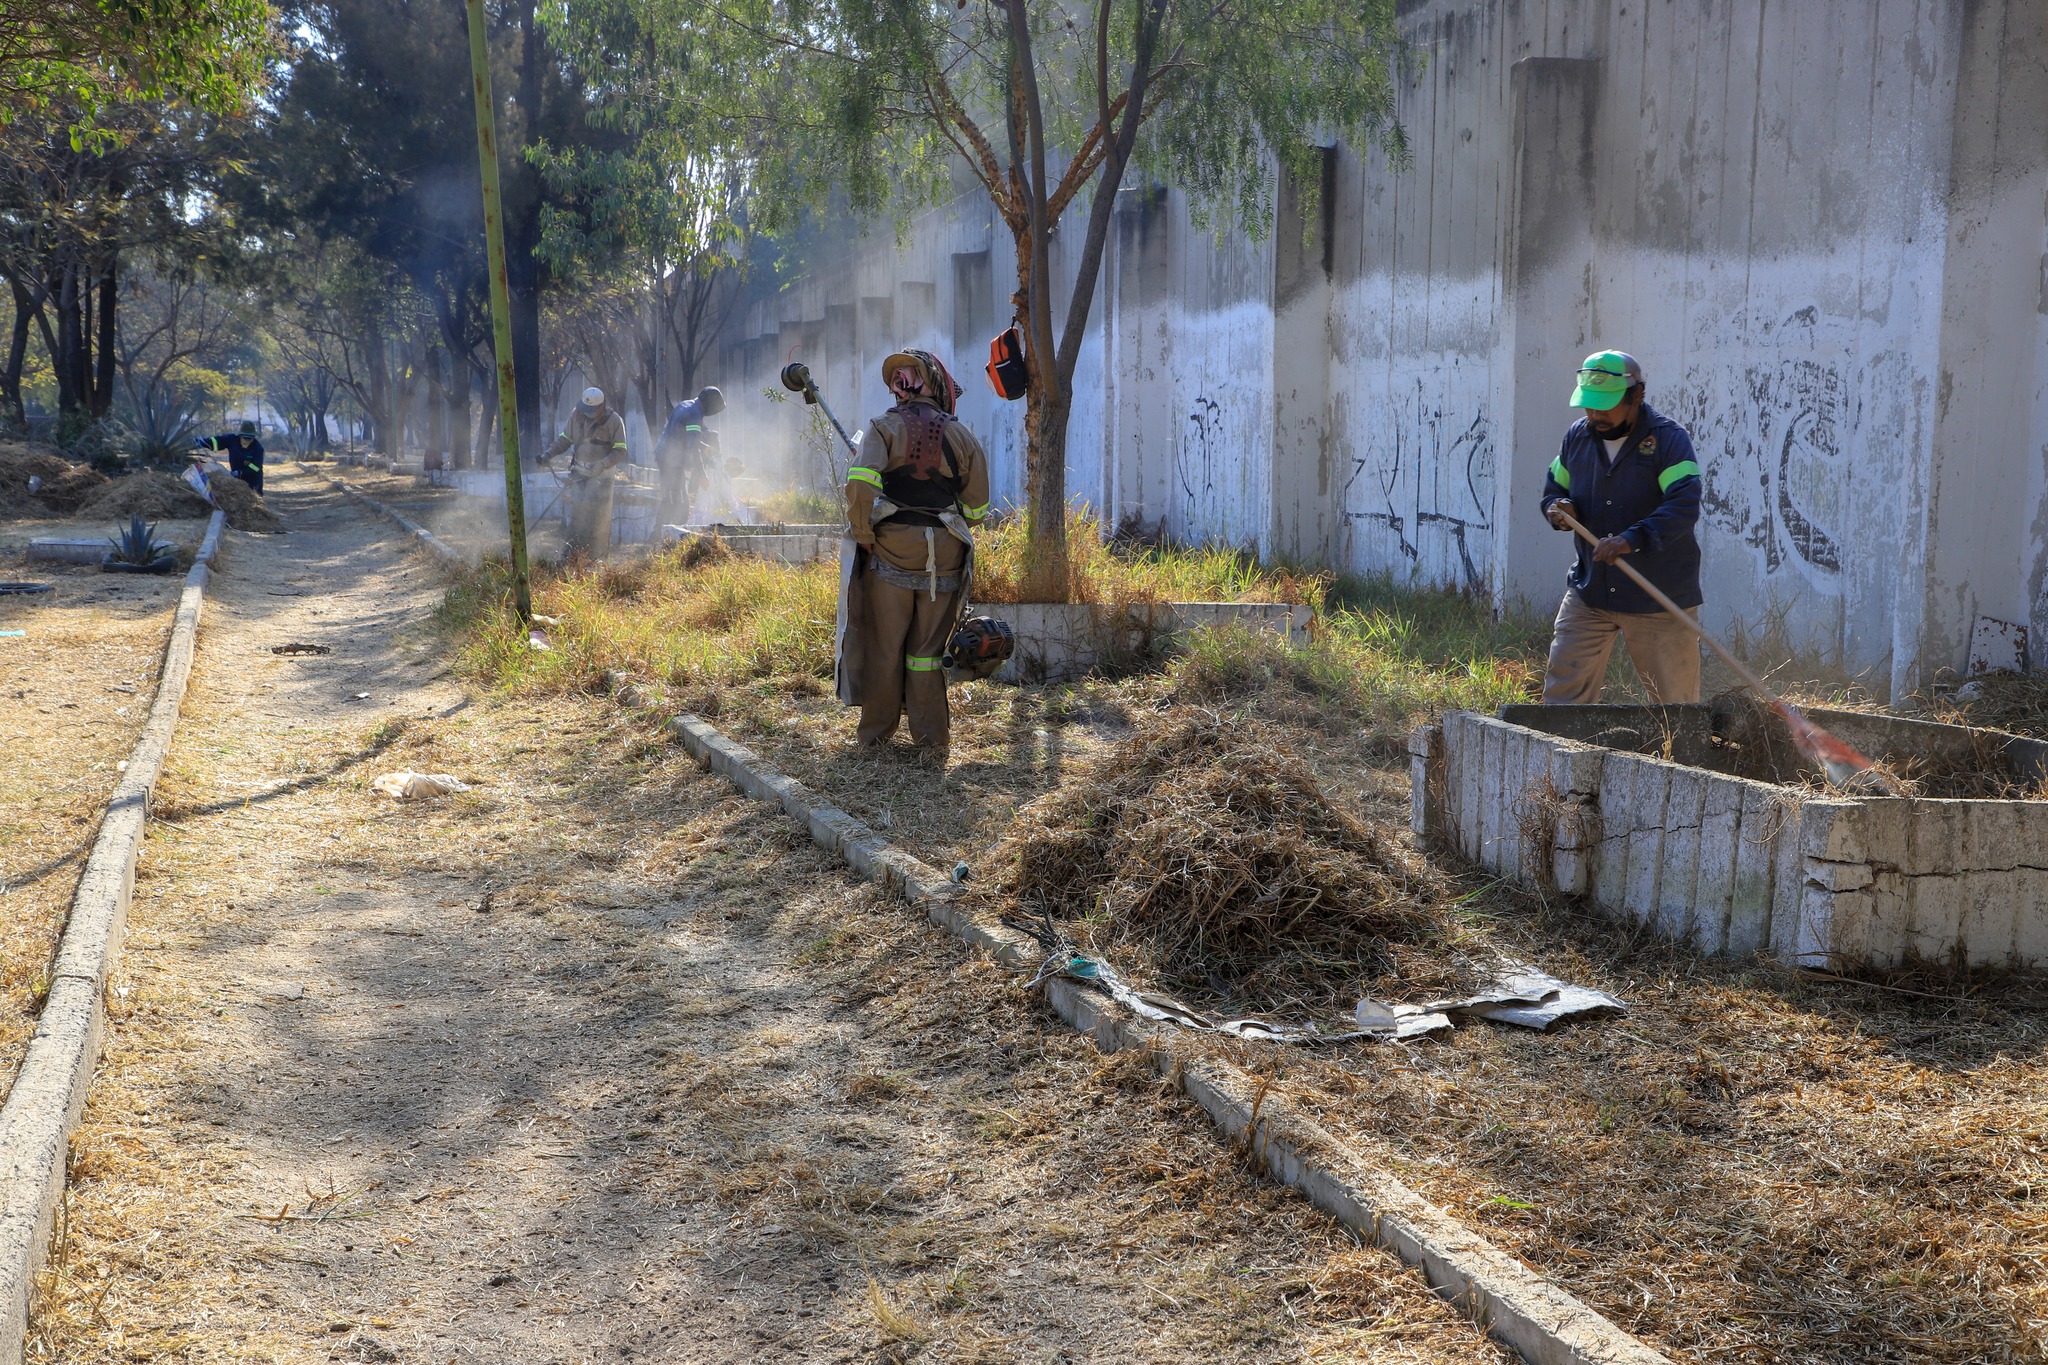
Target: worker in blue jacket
{"x": 685, "y": 451}
{"x": 244, "y": 452}
{"x": 1627, "y": 473}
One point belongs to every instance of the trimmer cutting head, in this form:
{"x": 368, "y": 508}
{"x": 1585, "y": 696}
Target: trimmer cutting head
{"x": 796, "y": 377}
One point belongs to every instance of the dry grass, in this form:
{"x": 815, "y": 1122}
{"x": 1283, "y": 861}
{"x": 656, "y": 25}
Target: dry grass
{"x": 1752, "y": 1166}
{"x": 1204, "y": 846}
{"x": 60, "y": 485}
{"x": 74, "y": 692}
{"x": 147, "y": 493}
{"x": 242, "y": 506}
{"x": 1012, "y": 1195}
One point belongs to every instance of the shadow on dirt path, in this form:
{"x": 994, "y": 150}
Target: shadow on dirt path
{"x": 599, "y": 1061}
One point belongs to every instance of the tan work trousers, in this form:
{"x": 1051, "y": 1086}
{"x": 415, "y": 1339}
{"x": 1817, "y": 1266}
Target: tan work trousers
{"x": 590, "y": 516}
{"x": 907, "y": 630}
{"x": 1666, "y": 654}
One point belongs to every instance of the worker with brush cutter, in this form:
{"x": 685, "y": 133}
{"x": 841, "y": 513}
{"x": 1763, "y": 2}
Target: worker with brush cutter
{"x": 685, "y": 451}
{"x": 596, "y": 441}
{"x": 916, "y": 488}
{"x": 1628, "y": 474}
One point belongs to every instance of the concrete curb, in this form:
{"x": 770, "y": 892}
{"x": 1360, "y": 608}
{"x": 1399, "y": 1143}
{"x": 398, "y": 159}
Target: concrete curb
{"x": 441, "y": 549}
{"x": 49, "y": 1091}
{"x": 1504, "y": 1297}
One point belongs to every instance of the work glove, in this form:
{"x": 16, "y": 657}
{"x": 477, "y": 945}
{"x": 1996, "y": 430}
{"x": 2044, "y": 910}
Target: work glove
{"x": 1557, "y": 512}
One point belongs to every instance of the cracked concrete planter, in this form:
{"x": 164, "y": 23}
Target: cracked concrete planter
{"x": 1062, "y": 641}
{"x": 1638, "y": 810}
{"x": 783, "y": 544}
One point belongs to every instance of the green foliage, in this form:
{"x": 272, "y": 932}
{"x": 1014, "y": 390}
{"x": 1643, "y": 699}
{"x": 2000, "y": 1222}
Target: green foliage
{"x": 89, "y": 54}
{"x": 1110, "y": 571}
{"x": 881, "y": 105}
{"x": 1382, "y": 658}
{"x": 138, "y": 545}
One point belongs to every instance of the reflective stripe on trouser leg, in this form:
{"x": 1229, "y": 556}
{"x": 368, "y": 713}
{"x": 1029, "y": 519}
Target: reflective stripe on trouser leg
{"x": 918, "y": 663}
{"x": 910, "y": 625}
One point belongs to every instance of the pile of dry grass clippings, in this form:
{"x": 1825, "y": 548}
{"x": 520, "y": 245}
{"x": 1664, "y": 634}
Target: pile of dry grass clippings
{"x": 242, "y": 505}
{"x": 146, "y": 493}
{"x": 60, "y": 486}
{"x": 1205, "y": 846}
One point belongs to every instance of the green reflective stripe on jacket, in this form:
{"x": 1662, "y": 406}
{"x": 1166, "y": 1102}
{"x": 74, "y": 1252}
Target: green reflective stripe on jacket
{"x": 918, "y": 663}
{"x": 691, "y": 426}
{"x": 865, "y": 475}
{"x": 974, "y": 513}
{"x": 1684, "y": 469}
{"x": 1561, "y": 474}
{"x": 618, "y": 445}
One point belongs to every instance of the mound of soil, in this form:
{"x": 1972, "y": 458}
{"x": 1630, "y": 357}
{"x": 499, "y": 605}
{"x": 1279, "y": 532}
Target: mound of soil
{"x": 244, "y": 507}
{"x": 149, "y": 494}
{"x": 1205, "y": 844}
{"x": 61, "y": 485}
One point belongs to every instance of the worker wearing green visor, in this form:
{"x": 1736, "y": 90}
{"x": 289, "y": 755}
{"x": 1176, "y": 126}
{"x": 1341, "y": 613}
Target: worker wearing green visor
{"x": 1627, "y": 473}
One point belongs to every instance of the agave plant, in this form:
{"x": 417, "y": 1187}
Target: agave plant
{"x": 138, "y": 548}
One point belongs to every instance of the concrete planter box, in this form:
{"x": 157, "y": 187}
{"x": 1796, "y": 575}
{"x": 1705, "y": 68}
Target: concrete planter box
{"x": 66, "y": 550}
{"x": 1059, "y": 642}
{"x": 1635, "y": 810}
{"x": 782, "y": 546}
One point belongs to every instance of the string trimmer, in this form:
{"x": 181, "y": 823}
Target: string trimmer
{"x": 1838, "y": 760}
{"x": 796, "y": 377}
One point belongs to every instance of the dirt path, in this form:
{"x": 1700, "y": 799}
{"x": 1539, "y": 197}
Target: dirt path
{"x": 600, "y": 1061}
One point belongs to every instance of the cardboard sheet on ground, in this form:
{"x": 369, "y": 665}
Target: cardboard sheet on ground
{"x": 1521, "y": 995}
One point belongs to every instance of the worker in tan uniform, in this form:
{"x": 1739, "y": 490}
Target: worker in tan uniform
{"x": 917, "y": 487}
{"x": 596, "y": 442}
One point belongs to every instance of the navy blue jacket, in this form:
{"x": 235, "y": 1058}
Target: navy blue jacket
{"x": 1651, "y": 497}
{"x": 231, "y": 443}
{"x": 684, "y": 436}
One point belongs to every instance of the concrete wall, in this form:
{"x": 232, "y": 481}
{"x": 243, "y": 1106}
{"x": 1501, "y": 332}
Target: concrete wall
{"x": 1820, "y": 225}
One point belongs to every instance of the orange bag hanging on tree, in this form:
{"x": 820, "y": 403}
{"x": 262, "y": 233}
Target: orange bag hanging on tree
{"x": 1006, "y": 373}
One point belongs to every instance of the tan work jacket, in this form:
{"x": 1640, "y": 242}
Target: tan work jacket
{"x": 596, "y": 440}
{"x": 900, "y": 543}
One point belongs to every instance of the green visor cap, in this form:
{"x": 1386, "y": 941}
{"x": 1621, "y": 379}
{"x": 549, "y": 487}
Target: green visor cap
{"x": 1603, "y": 380}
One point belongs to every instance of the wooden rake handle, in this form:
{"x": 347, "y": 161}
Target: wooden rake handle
{"x": 1657, "y": 595}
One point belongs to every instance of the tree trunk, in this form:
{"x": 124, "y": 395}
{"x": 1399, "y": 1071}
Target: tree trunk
{"x": 64, "y": 358}
{"x": 437, "y": 410}
{"x": 457, "y": 397}
{"x": 486, "y": 428}
{"x": 12, "y": 413}
{"x": 522, "y": 242}
{"x": 103, "y": 376}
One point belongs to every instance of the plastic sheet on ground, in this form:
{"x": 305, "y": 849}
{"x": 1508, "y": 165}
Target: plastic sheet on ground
{"x": 411, "y": 786}
{"x": 1521, "y": 996}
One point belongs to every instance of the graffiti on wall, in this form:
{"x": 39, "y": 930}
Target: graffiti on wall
{"x": 1423, "y": 469}
{"x": 1214, "y": 467}
{"x": 1770, "y": 440}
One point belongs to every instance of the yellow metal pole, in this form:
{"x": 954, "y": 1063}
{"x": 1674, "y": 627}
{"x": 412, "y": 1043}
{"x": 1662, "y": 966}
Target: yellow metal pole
{"x": 501, "y": 305}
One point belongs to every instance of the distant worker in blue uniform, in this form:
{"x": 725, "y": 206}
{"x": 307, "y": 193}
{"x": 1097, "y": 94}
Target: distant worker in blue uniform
{"x": 244, "y": 452}
{"x": 1628, "y": 475}
{"x": 686, "y": 451}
